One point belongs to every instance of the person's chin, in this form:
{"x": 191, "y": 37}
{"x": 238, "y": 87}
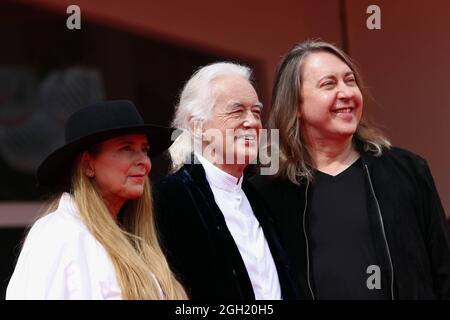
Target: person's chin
{"x": 247, "y": 157}
{"x": 247, "y": 148}
{"x": 348, "y": 129}
{"x": 135, "y": 192}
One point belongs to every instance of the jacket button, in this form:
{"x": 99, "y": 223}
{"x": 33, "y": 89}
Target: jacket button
{"x": 218, "y": 228}
{"x": 234, "y": 273}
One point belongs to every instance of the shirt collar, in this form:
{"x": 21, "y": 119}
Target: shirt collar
{"x": 67, "y": 204}
{"x": 219, "y": 178}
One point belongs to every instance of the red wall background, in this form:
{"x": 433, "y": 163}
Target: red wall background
{"x": 405, "y": 64}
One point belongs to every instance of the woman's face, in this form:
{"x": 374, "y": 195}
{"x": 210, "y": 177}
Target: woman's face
{"x": 120, "y": 168}
{"x": 332, "y": 102}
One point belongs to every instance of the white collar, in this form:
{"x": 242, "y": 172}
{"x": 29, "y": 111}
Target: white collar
{"x": 67, "y": 204}
{"x": 219, "y": 178}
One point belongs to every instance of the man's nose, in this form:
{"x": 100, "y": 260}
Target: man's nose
{"x": 251, "y": 119}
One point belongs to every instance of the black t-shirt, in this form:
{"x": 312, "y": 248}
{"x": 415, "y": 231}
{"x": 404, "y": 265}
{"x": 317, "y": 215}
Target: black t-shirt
{"x": 341, "y": 243}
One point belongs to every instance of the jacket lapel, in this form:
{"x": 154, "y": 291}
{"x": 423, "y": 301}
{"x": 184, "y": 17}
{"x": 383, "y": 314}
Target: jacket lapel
{"x": 215, "y": 224}
{"x": 375, "y": 221}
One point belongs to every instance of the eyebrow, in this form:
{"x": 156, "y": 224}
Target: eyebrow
{"x": 332, "y": 75}
{"x": 131, "y": 142}
{"x": 239, "y": 104}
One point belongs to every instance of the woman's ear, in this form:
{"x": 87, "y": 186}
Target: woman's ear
{"x": 86, "y": 165}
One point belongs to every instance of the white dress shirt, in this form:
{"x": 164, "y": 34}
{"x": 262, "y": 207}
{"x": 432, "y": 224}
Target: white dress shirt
{"x": 61, "y": 259}
{"x": 246, "y": 231}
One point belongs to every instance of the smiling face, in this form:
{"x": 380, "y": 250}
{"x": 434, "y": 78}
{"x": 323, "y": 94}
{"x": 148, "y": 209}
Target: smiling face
{"x": 120, "y": 167}
{"x": 236, "y": 117}
{"x": 332, "y": 102}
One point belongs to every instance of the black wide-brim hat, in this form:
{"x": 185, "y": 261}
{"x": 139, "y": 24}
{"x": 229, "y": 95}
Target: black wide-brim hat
{"x": 94, "y": 124}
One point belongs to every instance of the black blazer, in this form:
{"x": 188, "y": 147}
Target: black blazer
{"x": 199, "y": 247}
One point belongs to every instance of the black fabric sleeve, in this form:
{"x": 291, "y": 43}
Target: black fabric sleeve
{"x": 437, "y": 238}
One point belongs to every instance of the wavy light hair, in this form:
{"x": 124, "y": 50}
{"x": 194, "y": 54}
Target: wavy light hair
{"x": 196, "y": 103}
{"x": 132, "y": 245}
{"x": 295, "y": 160}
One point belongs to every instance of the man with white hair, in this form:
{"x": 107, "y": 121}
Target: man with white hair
{"x": 217, "y": 235}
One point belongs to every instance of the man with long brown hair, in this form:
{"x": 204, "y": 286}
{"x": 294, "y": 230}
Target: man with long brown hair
{"x": 359, "y": 218}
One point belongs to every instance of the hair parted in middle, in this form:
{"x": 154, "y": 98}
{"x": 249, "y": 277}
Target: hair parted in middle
{"x": 295, "y": 160}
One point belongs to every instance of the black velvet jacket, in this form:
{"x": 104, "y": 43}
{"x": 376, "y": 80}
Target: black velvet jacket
{"x": 405, "y": 215}
{"x": 200, "y": 248}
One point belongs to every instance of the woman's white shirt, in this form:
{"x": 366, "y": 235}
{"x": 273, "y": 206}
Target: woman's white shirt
{"x": 61, "y": 259}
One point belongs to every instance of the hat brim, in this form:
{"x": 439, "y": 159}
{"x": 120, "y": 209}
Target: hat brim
{"x": 55, "y": 170}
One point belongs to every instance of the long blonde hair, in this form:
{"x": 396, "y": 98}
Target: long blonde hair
{"x": 295, "y": 159}
{"x": 132, "y": 246}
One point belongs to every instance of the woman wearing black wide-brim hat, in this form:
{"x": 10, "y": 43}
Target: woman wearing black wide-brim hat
{"x": 98, "y": 239}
